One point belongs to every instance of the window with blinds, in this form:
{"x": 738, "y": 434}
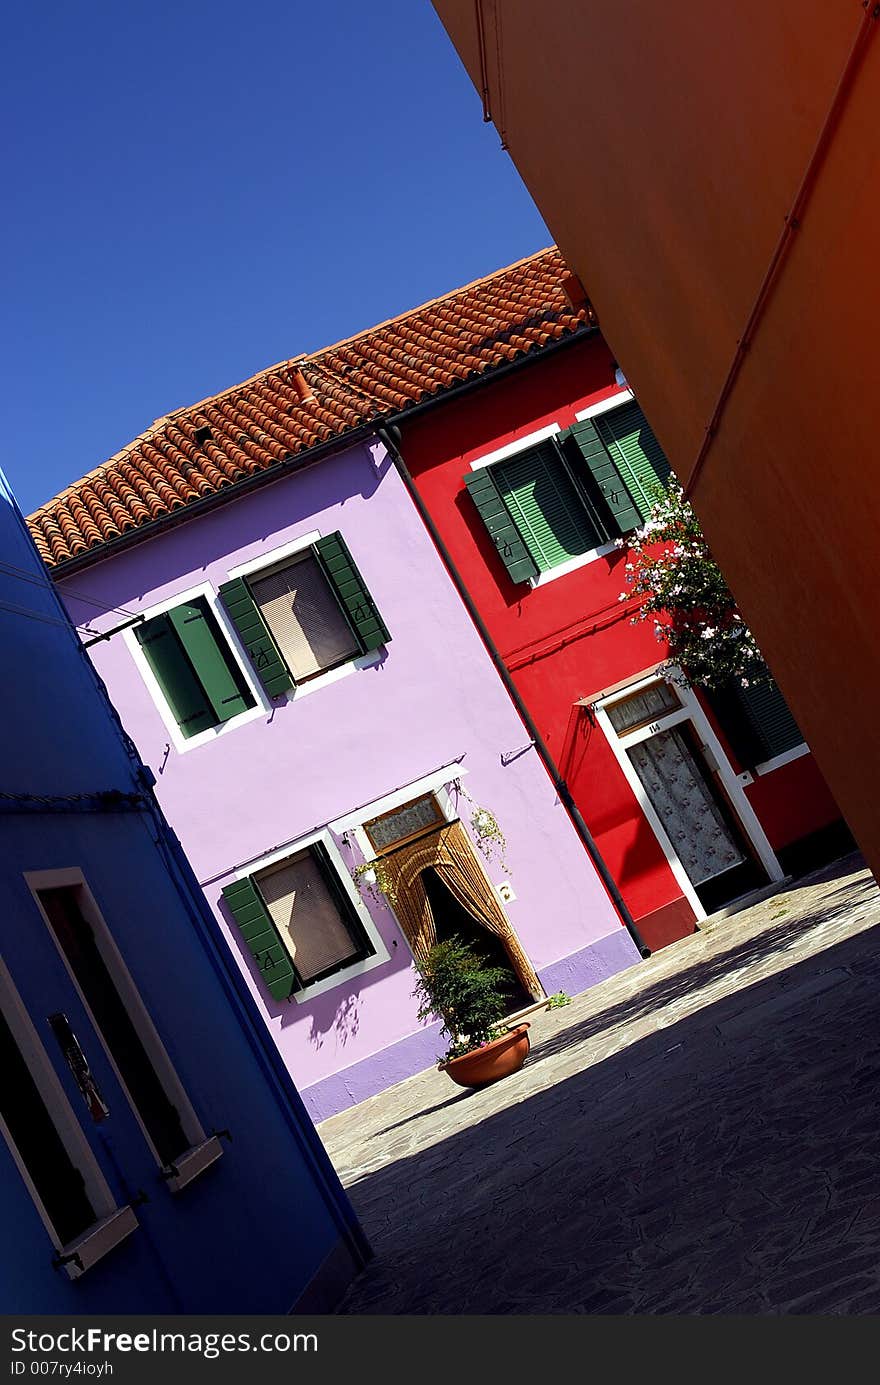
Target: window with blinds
{"x": 546, "y": 506}
{"x": 311, "y": 916}
{"x": 305, "y": 618}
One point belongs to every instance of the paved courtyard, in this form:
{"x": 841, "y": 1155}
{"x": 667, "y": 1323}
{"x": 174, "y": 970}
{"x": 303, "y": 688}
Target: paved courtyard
{"x": 699, "y": 1135}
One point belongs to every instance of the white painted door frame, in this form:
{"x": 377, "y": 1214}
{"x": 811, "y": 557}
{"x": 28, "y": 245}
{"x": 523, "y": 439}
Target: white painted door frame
{"x": 690, "y": 710}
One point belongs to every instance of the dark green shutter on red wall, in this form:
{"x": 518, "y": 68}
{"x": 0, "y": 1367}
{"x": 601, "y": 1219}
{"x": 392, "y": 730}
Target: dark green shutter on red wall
{"x": 261, "y": 648}
{"x": 583, "y": 445}
{"x": 351, "y": 592}
{"x": 638, "y": 455}
{"x": 503, "y": 532}
{"x": 757, "y": 721}
{"x": 259, "y": 932}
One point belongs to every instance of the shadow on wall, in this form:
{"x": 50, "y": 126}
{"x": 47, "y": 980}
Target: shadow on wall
{"x": 337, "y": 1010}
{"x": 342, "y": 1017}
{"x": 727, "y": 1163}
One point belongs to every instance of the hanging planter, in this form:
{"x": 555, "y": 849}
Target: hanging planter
{"x": 372, "y": 878}
{"x": 488, "y": 836}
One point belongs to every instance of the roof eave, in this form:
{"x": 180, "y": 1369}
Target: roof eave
{"x": 311, "y": 455}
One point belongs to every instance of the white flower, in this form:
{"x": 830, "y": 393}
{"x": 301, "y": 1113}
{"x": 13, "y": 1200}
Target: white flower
{"x": 623, "y": 596}
{"x": 709, "y": 633}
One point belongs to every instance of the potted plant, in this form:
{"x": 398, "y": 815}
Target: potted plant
{"x": 456, "y": 986}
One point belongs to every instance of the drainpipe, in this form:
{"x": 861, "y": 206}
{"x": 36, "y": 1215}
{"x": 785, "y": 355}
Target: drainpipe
{"x": 390, "y": 438}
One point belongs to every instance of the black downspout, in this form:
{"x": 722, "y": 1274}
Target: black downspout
{"x": 390, "y": 437}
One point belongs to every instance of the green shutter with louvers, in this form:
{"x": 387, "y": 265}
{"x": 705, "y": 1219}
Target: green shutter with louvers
{"x": 259, "y": 932}
{"x": 180, "y": 687}
{"x": 351, "y": 591}
{"x": 204, "y": 645}
{"x": 546, "y": 505}
{"x": 503, "y": 532}
{"x": 640, "y": 459}
{"x": 769, "y": 713}
{"x": 585, "y": 448}
{"x": 756, "y": 720}
{"x": 261, "y": 648}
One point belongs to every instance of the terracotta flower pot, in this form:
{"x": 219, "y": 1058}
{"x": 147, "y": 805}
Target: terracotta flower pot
{"x": 495, "y": 1060}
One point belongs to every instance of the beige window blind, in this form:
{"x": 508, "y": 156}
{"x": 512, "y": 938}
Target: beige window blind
{"x": 306, "y": 915}
{"x": 304, "y": 617}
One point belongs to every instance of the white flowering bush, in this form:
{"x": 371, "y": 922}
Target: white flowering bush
{"x": 682, "y": 590}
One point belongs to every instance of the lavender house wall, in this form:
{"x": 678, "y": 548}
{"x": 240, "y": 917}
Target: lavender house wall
{"x": 432, "y": 699}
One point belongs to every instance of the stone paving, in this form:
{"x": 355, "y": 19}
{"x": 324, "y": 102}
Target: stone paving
{"x": 701, "y": 1134}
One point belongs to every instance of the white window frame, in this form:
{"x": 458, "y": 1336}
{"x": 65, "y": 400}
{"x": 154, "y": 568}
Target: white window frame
{"x": 605, "y": 406}
{"x": 112, "y": 1223}
{"x": 786, "y": 758}
{"x": 380, "y": 953}
{"x": 510, "y": 449}
{"x": 203, "y": 1149}
{"x": 262, "y": 706}
{"x": 436, "y": 783}
{"x": 273, "y": 557}
{"x": 690, "y": 710}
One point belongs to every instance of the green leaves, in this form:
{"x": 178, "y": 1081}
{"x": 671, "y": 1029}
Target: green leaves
{"x": 456, "y": 986}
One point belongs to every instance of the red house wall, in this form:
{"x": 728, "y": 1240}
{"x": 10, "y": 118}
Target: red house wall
{"x": 572, "y": 637}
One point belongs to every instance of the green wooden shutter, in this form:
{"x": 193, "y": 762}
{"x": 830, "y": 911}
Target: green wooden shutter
{"x": 503, "y": 532}
{"x": 639, "y": 457}
{"x": 261, "y": 936}
{"x": 261, "y": 649}
{"x": 201, "y": 640}
{"x": 769, "y": 713}
{"x": 351, "y": 591}
{"x": 546, "y": 505}
{"x": 584, "y": 447}
{"x": 756, "y": 720}
{"x": 180, "y": 687}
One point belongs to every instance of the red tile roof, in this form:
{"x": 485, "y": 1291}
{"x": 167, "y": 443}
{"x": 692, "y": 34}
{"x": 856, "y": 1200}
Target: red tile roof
{"x": 300, "y": 404}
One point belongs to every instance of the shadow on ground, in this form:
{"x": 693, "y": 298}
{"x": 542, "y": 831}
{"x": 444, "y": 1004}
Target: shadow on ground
{"x": 729, "y": 1162}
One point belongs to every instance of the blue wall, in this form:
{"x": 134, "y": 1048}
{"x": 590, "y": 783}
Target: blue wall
{"x": 252, "y": 1232}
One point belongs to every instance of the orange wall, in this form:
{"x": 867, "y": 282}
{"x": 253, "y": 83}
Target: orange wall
{"x": 664, "y": 144}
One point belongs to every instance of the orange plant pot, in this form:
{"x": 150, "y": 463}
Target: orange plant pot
{"x": 498, "y": 1059}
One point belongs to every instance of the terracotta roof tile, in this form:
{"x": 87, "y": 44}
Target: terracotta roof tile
{"x": 294, "y": 406}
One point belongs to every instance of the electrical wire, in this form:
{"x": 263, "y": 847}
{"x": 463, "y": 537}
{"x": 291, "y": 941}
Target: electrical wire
{"x": 13, "y": 570}
{"x": 35, "y": 615}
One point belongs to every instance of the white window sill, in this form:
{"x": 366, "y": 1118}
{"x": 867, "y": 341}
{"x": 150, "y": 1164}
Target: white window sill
{"x": 573, "y": 564}
{"x": 98, "y": 1241}
{"x": 333, "y": 675}
{"x": 796, "y": 752}
{"x": 342, "y": 978}
{"x": 192, "y": 1163}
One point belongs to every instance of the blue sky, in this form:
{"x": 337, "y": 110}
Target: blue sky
{"x": 195, "y": 190}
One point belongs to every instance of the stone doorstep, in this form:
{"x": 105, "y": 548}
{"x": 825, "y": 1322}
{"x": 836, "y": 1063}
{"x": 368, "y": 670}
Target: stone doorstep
{"x": 745, "y": 901}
